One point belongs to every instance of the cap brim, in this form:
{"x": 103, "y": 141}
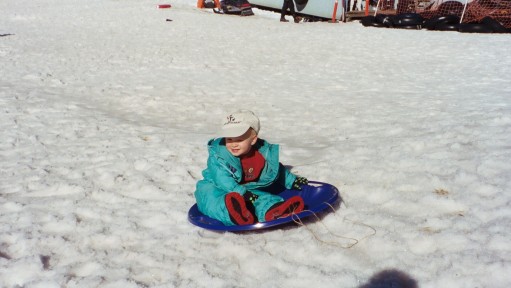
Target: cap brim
{"x": 234, "y": 130}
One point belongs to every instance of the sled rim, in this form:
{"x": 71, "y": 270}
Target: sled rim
{"x": 317, "y": 195}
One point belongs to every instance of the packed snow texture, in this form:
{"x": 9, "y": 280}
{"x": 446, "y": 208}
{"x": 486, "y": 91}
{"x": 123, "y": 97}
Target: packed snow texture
{"x": 107, "y": 107}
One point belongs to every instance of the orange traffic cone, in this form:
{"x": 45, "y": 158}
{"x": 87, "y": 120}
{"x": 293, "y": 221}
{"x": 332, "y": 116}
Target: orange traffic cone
{"x": 200, "y": 4}
{"x": 217, "y": 4}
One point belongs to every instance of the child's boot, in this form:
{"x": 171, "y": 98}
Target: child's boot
{"x": 238, "y": 210}
{"x": 293, "y": 205}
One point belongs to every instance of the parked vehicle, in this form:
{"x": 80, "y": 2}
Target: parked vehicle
{"x": 309, "y": 9}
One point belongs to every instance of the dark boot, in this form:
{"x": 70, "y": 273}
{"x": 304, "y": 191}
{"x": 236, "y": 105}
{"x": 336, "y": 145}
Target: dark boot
{"x": 237, "y": 208}
{"x": 282, "y": 19}
{"x": 293, "y": 205}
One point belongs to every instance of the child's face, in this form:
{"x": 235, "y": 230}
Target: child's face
{"x": 241, "y": 145}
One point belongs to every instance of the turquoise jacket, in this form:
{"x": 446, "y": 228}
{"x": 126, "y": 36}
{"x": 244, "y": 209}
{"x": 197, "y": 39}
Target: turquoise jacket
{"x": 224, "y": 175}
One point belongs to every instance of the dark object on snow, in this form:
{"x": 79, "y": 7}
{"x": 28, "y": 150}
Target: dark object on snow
{"x": 447, "y": 27}
{"x": 235, "y": 7}
{"x": 408, "y": 20}
{"x": 5, "y": 255}
{"x": 385, "y": 20}
{"x": 391, "y": 278}
{"x": 449, "y": 22}
{"x": 45, "y": 260}
{"x": 443, "y": 21}
{"x": 409, "y": 27}
{"x": 401, "y": 21}
{"x": 474, "y": 28}
{"x": 380, "y": 20}
{"x": 495, "y": 25}
{"x": 8, "y": 34}
{"x": 370, "y": 21}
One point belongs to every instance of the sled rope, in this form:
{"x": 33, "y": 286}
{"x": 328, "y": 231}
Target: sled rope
{"x": 355, "y": 241}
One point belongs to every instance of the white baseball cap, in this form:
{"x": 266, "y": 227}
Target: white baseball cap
{"x": 237, "y": 123}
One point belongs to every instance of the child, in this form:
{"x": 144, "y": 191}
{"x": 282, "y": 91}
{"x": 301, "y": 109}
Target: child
{"x": 242, "y": 171}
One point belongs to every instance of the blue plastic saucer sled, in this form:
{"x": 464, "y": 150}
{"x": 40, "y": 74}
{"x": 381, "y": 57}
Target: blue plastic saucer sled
{"x": 317, "y": 196}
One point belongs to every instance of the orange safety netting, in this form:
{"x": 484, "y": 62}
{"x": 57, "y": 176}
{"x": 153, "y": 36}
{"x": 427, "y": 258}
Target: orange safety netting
{"x": 471, "y": 11}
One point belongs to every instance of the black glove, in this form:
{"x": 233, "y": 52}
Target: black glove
{"x": 299, "y": 182}
{"x": 250, "y": 197}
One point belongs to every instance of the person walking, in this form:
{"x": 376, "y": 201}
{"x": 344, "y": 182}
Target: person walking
{"x": 289, "y": 4}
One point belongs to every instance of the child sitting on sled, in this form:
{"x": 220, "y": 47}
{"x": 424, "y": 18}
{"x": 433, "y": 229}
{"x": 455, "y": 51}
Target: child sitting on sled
{"x": 242, "y": 174}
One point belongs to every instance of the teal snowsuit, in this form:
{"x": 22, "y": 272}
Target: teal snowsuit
{"x": 224, "y": 175}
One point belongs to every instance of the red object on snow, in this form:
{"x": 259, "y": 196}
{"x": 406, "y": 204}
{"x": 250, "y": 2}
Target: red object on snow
{"x": 162, "y": 6}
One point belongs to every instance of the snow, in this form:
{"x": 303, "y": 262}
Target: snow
{"x": 107, "y": 108}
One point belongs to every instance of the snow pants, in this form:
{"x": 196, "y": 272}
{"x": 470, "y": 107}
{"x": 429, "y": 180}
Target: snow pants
{"x": 288, "y": 4}
{"x": 211, "y": 202}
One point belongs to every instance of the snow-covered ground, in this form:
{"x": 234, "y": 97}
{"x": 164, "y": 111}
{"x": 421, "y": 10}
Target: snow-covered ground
{"x": 106, "y": 108}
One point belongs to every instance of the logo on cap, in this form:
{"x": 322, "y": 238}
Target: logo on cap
{"x": 231, "y": 120}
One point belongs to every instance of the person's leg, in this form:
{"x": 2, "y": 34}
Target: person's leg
{"x": 293, "y": 12}
{"x": 283, "y": 12}
{"x": 211, "y": 202}
{"x": 264, "y": 202}
{"x": 238, "y": 210}
{"x": 291, "y": 206}
{"x": 291, "y": 6}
